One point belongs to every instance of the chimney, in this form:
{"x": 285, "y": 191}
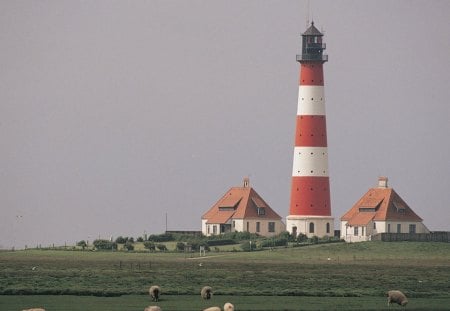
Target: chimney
{"x": 246, "y": 182}
{"x": 382, "y": 182}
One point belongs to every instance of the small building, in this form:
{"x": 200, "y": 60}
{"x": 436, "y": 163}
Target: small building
{"x": 242, "y": 209}
{"x": 380, "y": 210}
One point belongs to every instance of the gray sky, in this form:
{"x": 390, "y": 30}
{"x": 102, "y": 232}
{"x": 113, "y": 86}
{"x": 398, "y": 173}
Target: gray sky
{"x": 113, "y": 113}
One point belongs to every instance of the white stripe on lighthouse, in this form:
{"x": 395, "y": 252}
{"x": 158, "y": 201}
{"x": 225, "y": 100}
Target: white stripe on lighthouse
{"x": 311, "y": 100}
{"x": 310, "y": 161}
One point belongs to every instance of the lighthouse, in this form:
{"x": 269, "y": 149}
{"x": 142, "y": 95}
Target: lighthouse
{"x": 310, "y": 208}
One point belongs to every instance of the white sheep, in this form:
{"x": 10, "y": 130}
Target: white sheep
{"x": 34, "y": 309}
{"x": 155, "y": 292}
{"x": 396, "y": 296}
{"x": 206, "y": 292}
{"x": 152, "y": 308}
{"x": 226, "y": 307}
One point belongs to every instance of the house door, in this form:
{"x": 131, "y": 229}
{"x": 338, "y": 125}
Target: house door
{"x": 294, "y": 232}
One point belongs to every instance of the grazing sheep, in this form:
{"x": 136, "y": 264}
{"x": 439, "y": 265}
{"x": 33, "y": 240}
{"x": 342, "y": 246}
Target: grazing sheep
{"x": 155, "y": 292}
{"x": 226, "y": 307}
{"x": 396, "y": 296}
{"x": 152, "y": 308}
{"x": 34, "y": 309}
{"x": 206, "y": 292}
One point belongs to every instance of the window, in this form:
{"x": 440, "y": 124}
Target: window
{"x": 362, "y": 231}
{"x": 248, "y": 226}
{"x": 258, "y": 226}
{"x": 294, "y": 231}
{"x": 355, "y": 231}
{"x": 311, "y": 227}
{"x": 272, "y": 226}
{"x": 374, "y": 225}
{"x": 389, "y": 228}
{"x": 234, "y": 224}
{"x": 214, "y": 229}
{"x": 261, "y": 211}
{"x": 328, "y": 227}
{"x": 412, "y": 228}
{"x": 207, "y": 229}
{"x": 399, "y": 228}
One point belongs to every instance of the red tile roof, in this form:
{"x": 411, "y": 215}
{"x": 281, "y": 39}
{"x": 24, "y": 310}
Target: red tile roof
{"x": 380, "y": 204}
{"x": 238, "y": 203}
{"x": 361, "y": 219}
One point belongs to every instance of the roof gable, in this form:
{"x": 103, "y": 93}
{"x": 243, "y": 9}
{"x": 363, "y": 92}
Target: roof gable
{"x": 239, "y": 203}
{"x": 380, "y": 204}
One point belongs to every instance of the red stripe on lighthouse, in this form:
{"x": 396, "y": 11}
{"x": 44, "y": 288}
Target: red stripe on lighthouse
{"x": 311, "y": 74}
{"x": 311, "y": 131}
{"x": 310, "y": 196}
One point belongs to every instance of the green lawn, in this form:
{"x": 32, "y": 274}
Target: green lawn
{"x": 338, "y": 276}
{"x": 191, "y": 302}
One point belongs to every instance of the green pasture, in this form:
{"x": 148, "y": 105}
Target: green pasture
{"x": 191, "y": 302}
{"x": 335, "y": 276}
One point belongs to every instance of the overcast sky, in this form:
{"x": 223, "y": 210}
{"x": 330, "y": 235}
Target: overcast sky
{"x": 114, "y": 113}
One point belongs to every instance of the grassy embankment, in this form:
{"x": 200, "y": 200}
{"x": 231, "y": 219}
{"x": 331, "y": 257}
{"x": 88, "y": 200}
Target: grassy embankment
{"x": 337, "y": 273}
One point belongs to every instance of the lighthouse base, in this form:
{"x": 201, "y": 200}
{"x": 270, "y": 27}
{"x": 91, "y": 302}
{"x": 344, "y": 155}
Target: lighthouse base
{"x": 320, "y": 226}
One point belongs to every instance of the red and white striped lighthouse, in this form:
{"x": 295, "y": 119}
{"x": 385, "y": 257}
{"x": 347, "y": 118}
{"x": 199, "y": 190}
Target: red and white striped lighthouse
{"x": 310, "y": 208}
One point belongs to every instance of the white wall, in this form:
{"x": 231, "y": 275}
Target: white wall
{"x": 240, "y": 225}
{"x": 365, "y": 232}
{"x": 303, "y": 223}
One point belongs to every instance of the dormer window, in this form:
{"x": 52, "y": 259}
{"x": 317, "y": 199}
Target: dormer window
{"x": 261, "y": 211}
{"x": 400, "y": 207}
{"x": 366, "y": 209}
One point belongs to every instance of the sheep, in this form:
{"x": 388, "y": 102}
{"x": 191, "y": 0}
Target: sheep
{"x": 226, "y": 307}
{"x": 152, "y": 308}
{"x": 155, "y": 292}
{"x": 396, "y": 296}
{"x": 34, "y": 309}
{"x": 206, "y": 292}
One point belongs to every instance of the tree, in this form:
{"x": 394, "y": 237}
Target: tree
{"x": 129, "y": 246}
{"x": 161, "y": 247}
{"x": 104, "y": 245}
{"x": 82, "y": 244}
{"x": 149, "y": 245}
{"x": 180, "y": 246}
{"x": 121, "y": 240}
{"x": 140, "y": 239}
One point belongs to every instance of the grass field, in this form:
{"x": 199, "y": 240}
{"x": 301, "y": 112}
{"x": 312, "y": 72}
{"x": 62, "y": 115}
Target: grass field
{"x": 328, "y": 276}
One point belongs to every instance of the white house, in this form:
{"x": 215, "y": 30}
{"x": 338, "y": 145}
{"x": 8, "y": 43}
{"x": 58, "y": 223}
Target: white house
{"x": 242, "y": 209}
{"x": 380, "y": 210}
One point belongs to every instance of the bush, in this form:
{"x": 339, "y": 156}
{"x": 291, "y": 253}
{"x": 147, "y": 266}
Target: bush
{"x": 104, "y": 245}
{"x": 82, "y": 244}
{"x": 180, "y": 246}
{"x": 149, "y": 245}
{"x": 161, "y": 247}
{"x": 129, "y": 246}
{"x": 220, "y": 242}
{"x": 274, "y": 242}
{"x": 313, "y": 240}
{"x": 301, "y": 237}
{"x": 164, "y": 237}
{"x": 248, "y": 246}
{"x": 121, "y": 240}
